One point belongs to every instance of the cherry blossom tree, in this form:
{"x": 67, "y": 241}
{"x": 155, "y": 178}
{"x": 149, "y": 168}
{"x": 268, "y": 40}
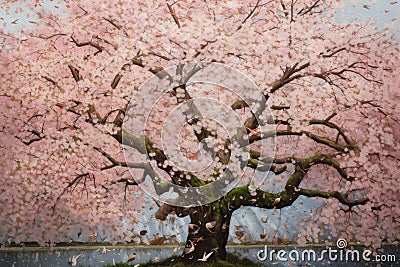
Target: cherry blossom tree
{"x": 67, "y": 81}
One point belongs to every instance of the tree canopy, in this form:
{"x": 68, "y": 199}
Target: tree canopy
{"x": 66, "y": 83}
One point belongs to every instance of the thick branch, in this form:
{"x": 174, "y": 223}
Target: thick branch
{"x": 303, "y": 163}
{"x": 241, "y": 196}
{"x": 319, "y": 139}
{"x": 329, "y": 124}
{"x": 125, "y": 180}
{"x": 287, "y": 76}
{"x": 163, "y": 212}
{"x": 333, "y": 194}
{"x": 253, "y": 163}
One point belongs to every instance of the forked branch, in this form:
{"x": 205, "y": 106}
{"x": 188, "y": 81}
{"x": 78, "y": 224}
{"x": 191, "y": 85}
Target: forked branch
{"x": 333, "y": 194}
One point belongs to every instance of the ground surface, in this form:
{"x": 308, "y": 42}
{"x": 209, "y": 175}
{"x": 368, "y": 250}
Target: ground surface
{"x": 232, "y": 261}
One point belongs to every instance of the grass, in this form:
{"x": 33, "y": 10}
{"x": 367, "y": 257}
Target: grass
{"x": 231, "y": 261}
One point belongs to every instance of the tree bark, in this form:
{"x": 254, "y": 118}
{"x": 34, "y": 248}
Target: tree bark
{"x": 208, "y": 233}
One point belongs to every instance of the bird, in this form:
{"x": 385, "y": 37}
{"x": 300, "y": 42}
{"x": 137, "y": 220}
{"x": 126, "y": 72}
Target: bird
{"x": 80, "y": 232}
{"x": 104, "y": 250}
{"x": 253, "y": 132}
{"x": 285, "y": 240}
{"x": 239, "y": 234}
{"x": 92, "y": 237}
{"x": 132, "y": 257}
{"x": 192, "y": 226}
{"x": 210, "y": 225}
{"x": 206, "y": 256}
{"x": 238, "y": 227}
{"x": 143, "y": 232}
{"x": 190, "y": 249}
{"x": 264, "y": 234}
{"x": 73, "y": 260}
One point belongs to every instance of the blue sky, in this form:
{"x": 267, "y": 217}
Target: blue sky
{"x": 382, "y": 12}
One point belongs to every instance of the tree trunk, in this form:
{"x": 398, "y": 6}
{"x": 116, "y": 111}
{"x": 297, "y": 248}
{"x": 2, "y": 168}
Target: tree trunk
{"x": 208, "y": 233}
